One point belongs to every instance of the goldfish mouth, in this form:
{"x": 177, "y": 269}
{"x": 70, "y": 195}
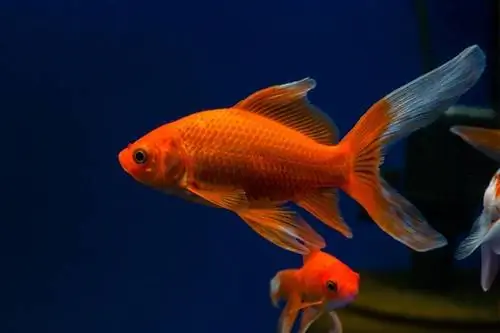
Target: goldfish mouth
{"x": 339, "y": 303}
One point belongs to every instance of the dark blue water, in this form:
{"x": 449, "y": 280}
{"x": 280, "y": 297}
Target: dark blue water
{"x": 87, "y": 249}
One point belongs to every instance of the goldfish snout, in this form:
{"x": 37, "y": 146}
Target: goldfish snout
{"x": 121, "y": 156}
{"x": 124, "y": 159}
{"x": 354, "y": 286}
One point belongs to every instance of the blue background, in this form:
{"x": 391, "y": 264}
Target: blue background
{"x": 87, "y": 249}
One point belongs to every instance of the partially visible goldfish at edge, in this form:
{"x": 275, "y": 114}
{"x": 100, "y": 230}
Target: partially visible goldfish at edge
{"x": 320, "y": 286}
{"x": 485, "y": 232}
{"x": 275, "y": 147}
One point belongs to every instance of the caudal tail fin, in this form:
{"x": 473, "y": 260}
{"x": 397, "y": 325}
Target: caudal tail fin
{"x": 405, "y": 110}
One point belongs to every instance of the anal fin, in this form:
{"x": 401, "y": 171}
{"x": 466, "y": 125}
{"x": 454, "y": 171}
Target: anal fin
{"x": 323, "y": 204}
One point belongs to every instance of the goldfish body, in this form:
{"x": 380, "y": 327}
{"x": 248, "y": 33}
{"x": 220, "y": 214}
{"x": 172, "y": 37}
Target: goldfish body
{"x": 322, "y": 284}
{"x": 485, "y": 232}
{"x": 275, "y": 147}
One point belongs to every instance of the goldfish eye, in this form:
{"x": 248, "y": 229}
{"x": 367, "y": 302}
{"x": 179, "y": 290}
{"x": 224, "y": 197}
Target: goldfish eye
{"x": 331, "y": 286}
{"x": 140, "y": 156}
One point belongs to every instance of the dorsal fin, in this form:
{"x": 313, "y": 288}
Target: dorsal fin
{"x": 288, "y": 105}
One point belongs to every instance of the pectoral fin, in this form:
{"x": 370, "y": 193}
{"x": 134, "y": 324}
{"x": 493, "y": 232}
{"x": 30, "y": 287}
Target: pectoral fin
{"x": 230, "y": 199}
{"x": 476, "y": 237}
{"x": 305, "y": 305}
{"x": 289, "y": 314}
{"x": 278, "y": 225}
{"x": 188, "y": 196}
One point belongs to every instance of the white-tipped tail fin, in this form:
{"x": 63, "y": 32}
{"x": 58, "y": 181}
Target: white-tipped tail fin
{"x": 405, "y": 110}
{"x": 423, "y": 100}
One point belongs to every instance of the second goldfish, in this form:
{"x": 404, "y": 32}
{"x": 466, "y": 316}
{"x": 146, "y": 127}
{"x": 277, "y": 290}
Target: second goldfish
{"x": 320, "y": 286}
{"x": 485, "y": 232}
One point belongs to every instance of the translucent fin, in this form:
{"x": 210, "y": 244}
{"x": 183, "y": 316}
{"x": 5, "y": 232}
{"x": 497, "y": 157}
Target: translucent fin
{"x": 282, "y": 285}
{"x": 306, "y": 305}
{"x": 289, "y": 314}
{"x": 275, "y": 290}
{"x": 494, "y": 237}
{"x": 489, "y": 267}
{"x": 485, "y": 140}
{"x": 311, "y": 315}
{"x": 475, "y": 238}
{"x": 230, "y": 199}
{"x": 323, "y": 204}
{"x": 413, "y": 223}
{"x": 308, "y": 317}
{"x": 405, "y": 110}
{"x": 278, "y": 225}
{"x": 336, "y": 325}
{"x": 189, "y": 196}
{"x": 288, "y": 105}
{"x": 284, "y": 228}
{"x": 423, "y": 100}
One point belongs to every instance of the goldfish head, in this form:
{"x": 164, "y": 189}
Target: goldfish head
{"x": 154, "y": 160}
{"x": 339, "y": 285}
{"x": 326, "y": 278}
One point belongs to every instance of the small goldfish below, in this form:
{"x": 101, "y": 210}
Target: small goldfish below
{"x": 320, "y": 286}
{"x": 275, "y": 147}
{"x": 485, "y": 232}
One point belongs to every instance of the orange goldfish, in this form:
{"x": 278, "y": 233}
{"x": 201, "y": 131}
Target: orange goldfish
{"x": 275, "y": 147}
{"x": 485, "y": 232}
{"x": 322, "y": 284}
